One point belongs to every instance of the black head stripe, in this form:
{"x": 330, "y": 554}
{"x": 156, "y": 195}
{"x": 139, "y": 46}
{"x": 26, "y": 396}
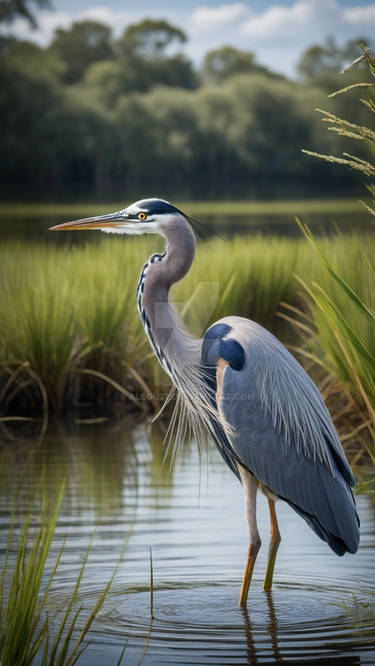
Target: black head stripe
{"x": 156, "y": 207}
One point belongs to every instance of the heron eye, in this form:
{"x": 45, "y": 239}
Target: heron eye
{"x": 142, "y": 216}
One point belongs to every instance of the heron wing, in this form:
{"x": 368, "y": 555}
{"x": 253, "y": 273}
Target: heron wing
{"x": 279, "y": 428}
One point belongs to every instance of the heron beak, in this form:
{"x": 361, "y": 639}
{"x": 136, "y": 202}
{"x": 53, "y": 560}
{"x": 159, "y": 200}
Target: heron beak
{"x": 111, "y": 220}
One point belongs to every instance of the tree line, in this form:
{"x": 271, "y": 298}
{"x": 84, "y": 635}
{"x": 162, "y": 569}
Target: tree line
{"x": 95, "y": 116}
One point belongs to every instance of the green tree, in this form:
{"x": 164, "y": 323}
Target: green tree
{"x": 30, "y": 58}
{"x": 84, "y": 43}
{"x": 138, "y": 145}
{"x": 105, "y": 81}
{"x": 145, "y": 51}
{"x": 150, "y": 39}
{"x": 29, "y": 107}
{"x": 225, "y": 62}
{"x": 135, "y": 120}
{"x": 328, "y": 58}
{"x": 49, "y": 138}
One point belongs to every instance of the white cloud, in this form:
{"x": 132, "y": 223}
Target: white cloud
{"x": 106, "y": 15}
{"x": 277, "y": 34}
{"x": 48, "y": 21}
{"x": 308, "y": 21}
{"x": 360, "y": 16}
{"x": 305, "y": 17}
{"x": 211, "y": 18}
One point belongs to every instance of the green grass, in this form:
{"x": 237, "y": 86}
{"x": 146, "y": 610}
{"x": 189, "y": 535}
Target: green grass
{"x": 71, "y": 314}
{"x": 247, "y": 276}
{"x": 343, "y": 307}
{"x": 29, "y": 632}
{"x": 343, "y": 298}
{"x": 71, "y": 330}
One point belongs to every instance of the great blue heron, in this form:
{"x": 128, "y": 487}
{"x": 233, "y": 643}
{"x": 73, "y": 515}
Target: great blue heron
{"x": 241, "y": 385}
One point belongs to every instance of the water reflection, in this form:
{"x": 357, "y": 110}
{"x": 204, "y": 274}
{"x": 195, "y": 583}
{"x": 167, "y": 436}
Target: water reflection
{"x": 192, "y": 517}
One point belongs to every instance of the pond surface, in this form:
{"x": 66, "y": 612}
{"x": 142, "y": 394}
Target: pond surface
{"x": 193, "y": 519}
{"x": 227, "y": 218}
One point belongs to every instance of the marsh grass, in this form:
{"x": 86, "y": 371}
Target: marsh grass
{"x": 63, "y": 312}
{"x": 29, "y": 630}
{"x": 70, "y": 329}
{"x": 343, "y": 306}
{"x": 343, "y": 298}
{"x": 247, "y": 276}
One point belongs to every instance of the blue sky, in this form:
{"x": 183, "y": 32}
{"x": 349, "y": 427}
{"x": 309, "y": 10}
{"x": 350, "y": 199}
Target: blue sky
{"x": 276, "y": 30}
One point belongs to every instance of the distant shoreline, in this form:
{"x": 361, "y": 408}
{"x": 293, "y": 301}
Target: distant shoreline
{"x": 236, "y": 207}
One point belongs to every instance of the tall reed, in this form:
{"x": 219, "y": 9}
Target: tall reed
{"x": 343, "y": 306}
{"x": 70, "y": 328}
{"x": 28, "y": 632}
{"x": 344, "y": 296}
{"x": 70, "y": 320}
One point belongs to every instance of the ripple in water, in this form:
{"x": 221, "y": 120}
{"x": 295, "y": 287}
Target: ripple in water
{"x": 199, "y": 542}
{"x": 203, "y": 624}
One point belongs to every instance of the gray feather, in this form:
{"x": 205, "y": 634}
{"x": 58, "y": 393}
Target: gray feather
{"x": 282, "y": 433}
{"x": 271, "y": 419}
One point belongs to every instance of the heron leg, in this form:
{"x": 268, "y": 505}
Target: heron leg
{"x": 250, "y": 484}
{"x": 275, "y": 539}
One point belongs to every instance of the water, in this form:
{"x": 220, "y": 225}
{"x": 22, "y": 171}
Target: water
{"x": 192, "y": 517}
{"x": 34, "y": 227}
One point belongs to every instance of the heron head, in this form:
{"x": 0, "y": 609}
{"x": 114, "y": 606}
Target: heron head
{"x": 146, "y": 216}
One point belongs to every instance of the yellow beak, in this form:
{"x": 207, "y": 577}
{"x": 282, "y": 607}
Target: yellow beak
{"x": 100, "y": 222}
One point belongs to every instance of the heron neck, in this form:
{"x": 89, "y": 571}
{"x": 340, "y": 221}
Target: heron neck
{"x": 168, "y": 336}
